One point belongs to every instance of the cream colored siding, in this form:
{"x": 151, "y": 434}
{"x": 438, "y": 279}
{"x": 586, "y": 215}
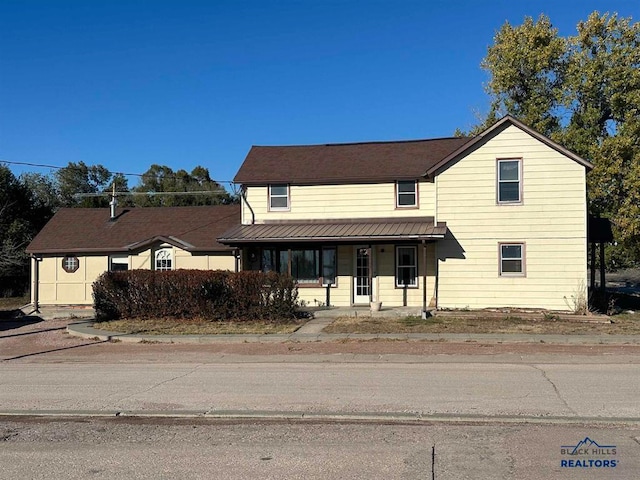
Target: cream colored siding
{"x": 341, "y": 292}
{"x": 58, "y": 287}
{"x": 550, "y": 221}
{"x": 383, "y": 279}
{"x": 184, "y": 259}
{"x": 141, "y": 261}
{"x": 392, "y": 296}
{"x": 310, "y": 202}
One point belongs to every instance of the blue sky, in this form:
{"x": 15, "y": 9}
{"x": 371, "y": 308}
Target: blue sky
{"x": 126, "y": 84}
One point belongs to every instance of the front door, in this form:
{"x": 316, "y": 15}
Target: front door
{"x": 362, "y": 276}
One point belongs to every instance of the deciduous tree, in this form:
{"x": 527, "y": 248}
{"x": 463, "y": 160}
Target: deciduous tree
{"x": 584, "y": 92}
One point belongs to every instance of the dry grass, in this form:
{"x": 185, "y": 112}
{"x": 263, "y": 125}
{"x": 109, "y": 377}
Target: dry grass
{"x": 627, "y": 324}
{"x": 196, "y": 327}
{"x": 10, "y": 303}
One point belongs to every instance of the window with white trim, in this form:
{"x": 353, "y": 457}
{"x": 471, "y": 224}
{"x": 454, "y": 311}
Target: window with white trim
{"x": 509, "y": 181}
{"x": 279, "y": 197}
{"x": 164, "y": 259}
{"x": 118, "y": 263}
{"x": 511, "y": 259}
{"x": 407, "y": 266}
{"x": 406, "y": 194}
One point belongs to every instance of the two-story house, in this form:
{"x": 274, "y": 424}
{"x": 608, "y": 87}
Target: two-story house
{"x": 497, "y": 220}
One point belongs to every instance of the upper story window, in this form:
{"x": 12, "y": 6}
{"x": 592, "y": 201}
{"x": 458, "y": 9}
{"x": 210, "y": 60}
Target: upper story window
{"x": 510, "y": 181}
{"x": 406, "y": 194}
{"x": 511, "y": 259}
{"x": 279, "y": 197}
{"x": 70, "y": 263}
{"x": 164, "y": 259}
{"x": 118, "y": 263}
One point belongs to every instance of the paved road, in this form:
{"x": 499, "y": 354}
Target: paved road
{"x": 564, "y": 390}
{"x": 127, "y": 448}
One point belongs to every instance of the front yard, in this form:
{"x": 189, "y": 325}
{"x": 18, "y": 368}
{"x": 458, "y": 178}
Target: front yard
{"x": 624, "y": 324}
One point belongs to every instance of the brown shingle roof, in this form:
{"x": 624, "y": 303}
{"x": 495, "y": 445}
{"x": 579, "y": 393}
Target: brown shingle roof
{"x": 90, "y": 230}
{"x": 346, "y": 162}
{"x": 360, "y": 230}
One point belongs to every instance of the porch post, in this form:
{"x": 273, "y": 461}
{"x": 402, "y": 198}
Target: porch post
{"x": 603, "y": 286}
{"x": 593, "y": 265}
{"x": 36, "y": 284}
{"x": 371, "y": 276}
{"x": 424, "y": 276}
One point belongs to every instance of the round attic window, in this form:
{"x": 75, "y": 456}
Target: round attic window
{"x": 70, "y": 263}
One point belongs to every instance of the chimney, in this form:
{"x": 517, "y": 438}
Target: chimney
{"x": 113, "y": 203}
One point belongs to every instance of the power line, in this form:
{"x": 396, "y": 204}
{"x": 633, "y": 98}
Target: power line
{"x": 57, "y": 167}
{"x": 119, "y": 194}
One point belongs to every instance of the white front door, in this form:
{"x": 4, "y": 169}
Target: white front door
{"x": 362, "y": 276}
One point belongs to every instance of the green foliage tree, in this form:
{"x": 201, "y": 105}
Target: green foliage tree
{"x": 160, "y": 179}
{"x": 77, "y": 179}
{"x": 584, "y": 92}
{"x": 20, "y": 220}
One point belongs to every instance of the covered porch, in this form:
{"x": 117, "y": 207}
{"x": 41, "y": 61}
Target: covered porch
{"x": 348, "y": 263}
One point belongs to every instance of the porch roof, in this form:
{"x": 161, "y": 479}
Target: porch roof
{"x": 337, "y": 231}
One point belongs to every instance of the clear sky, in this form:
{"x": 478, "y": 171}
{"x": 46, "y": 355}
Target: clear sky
{"x": 129, "y": 83}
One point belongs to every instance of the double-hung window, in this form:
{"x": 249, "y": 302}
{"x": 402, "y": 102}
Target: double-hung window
{"x": 407, "y": 266}
{"x": 279, "y": 197}
{"x": 510, "y": 181}
{"x": 512, "y": 260}
{"x": 406, "y": 194}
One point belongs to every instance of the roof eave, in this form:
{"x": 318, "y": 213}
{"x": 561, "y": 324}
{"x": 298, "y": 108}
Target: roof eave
{"x": 355, "y": 239}
{"x": 501, "y": 124}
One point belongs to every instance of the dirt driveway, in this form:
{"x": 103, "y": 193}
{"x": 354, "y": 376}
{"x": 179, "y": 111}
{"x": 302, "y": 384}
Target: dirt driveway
{"x": 48, "y": 342}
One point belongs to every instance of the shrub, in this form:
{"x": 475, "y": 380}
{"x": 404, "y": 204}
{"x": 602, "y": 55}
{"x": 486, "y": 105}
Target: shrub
{"x": 214, "y": 295}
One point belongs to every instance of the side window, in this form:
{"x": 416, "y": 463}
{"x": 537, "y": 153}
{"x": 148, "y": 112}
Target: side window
{"x": 164, "y": 259}
{"x": 406, "y": 194}
{"x": 118, "y": 263}
{"x": 279, "y": 197}
{"x": 512, "y": 260}
{"x": 510, "y": 181}
{"x": 329, "y": 266}
{"x": 406, "y": 267}
{"x": 70, "y": 263}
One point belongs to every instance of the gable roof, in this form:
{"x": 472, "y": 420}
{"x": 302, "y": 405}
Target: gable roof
{"x": 344, "y": 162}
{"x": 371, "y": 161}
{"x": 491, "y": 132}
{"x": 90, "y": 230}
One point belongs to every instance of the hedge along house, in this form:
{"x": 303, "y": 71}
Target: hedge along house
{"x": 78, "y": 244}
{"x": 497, "y": 220}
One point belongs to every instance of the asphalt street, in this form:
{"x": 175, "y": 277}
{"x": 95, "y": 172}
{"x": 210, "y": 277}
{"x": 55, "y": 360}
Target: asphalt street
{"x": 131, "y": 448}
{"x": 594, "y": 391}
